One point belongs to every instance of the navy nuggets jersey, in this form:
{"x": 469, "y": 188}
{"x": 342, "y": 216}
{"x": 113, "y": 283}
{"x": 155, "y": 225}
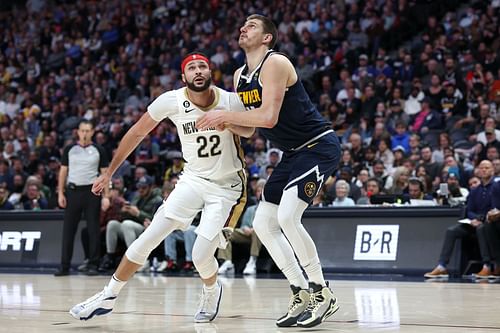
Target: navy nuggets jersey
{"x": 299, "y": 121}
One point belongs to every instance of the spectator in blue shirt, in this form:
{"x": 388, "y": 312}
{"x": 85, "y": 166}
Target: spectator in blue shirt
{"x": 493, "y": 229}
{"x": 478, "y": 205}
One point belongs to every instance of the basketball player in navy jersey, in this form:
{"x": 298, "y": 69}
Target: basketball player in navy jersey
{"x": 279, "y": 106}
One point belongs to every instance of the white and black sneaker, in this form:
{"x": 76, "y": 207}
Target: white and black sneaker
{"x": 209, "y": 304}
{"x": 322, "y": 304}
{"x": 298, "y": 304}
{"x": 98, "y": 305}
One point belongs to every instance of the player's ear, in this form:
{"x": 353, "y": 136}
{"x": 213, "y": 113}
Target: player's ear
{"x": 183, "y": 78}
{"x": 268, "y": 38}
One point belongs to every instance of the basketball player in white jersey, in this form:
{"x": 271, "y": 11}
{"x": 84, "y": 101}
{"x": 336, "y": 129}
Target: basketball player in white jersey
{"x": 213, "y": 182}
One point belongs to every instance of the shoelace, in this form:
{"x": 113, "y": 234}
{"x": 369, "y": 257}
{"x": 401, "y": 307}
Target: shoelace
{"x": 315, "y": 301}
{"x": 294, "y": 302}
{"x": 205, "y": 301}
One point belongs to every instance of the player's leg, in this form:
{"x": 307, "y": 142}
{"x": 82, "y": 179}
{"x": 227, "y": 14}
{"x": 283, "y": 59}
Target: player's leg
{"x": 223, "y": 207}
{"x": 171, "y": 215}
{"x": 102, "y": 303}
{"x": 207, "y": 266}
{"x": 311, "y": 167}
{"x": 268, "y": 230}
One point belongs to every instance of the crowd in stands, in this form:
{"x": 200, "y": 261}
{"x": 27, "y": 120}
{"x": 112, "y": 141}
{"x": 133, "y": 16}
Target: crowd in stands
{"x": 411, "y": 87}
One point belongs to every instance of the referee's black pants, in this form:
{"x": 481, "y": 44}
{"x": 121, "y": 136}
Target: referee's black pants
{"x": 80, "y": 199}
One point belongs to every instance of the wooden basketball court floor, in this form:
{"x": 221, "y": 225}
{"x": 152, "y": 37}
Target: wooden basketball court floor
{"x": 40, "y": 303}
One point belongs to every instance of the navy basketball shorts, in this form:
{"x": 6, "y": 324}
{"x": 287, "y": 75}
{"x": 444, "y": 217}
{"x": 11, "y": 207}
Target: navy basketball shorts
{"x": 307, "y": 168}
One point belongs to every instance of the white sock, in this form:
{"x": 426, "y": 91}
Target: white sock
{"x": 211, "y": 287}
{"x": 115, "y": 285}
{"x": 294, "y": 275}
{"x": 315, "y": 273}
{"x": 252, "y": 260}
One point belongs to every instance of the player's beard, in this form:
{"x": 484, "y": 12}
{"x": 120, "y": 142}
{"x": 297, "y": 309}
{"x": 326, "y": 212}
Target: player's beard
{"x": 191, "y": 85}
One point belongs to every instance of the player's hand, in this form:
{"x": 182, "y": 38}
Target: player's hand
{"x": 99, "y": 184}
{"x": 211, "y": 119}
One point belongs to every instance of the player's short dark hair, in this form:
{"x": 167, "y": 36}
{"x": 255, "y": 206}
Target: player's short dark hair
{"x": 269, "y": 28}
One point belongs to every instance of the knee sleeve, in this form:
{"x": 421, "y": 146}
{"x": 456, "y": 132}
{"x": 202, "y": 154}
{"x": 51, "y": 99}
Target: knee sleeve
{"x": 265, "y": 220}
{"x": 159, "y": 228}
{"x": 290, "y": 213}
{"x": 203, "y": 256}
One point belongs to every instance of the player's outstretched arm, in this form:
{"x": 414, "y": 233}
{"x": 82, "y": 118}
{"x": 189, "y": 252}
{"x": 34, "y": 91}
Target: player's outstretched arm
{"x": 128, "y": 144}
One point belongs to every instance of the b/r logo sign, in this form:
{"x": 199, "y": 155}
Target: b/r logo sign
{"x": 376, "y": 242}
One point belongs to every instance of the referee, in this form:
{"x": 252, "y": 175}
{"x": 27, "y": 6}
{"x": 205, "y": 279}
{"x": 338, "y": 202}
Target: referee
{"x": 81, "y": 163}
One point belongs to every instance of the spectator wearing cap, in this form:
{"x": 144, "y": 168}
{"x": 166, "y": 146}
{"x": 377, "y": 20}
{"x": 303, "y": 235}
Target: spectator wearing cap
{"x": 491, "y": 142}
{"x": 177, "y": 165}
{"x": 363, "y": 72}
{"x": 273, "y": 159}
{"x": 399, "y": 156}
{"x": 456, "y": 195}
{"x": 397, "y": 115}
{"x": 489, "y": 122}
{"x": 135, "y": 217}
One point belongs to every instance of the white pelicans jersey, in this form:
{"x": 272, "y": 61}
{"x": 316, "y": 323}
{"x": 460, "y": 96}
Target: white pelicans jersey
{"x": 209, "y": 154}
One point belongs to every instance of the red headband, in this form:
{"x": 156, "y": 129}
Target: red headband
{"x": 192, "y": 57}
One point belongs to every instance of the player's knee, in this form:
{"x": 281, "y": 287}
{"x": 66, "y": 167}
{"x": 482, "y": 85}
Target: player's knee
{"x": 137, "y": 253}
{"x": 205, "y": 265}
{"x": 265, "y": 218}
